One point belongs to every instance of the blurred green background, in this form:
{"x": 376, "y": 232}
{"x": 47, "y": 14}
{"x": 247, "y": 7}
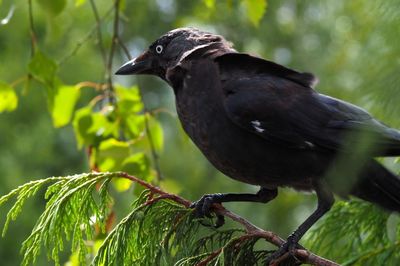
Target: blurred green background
{"x": 352, "y": 46}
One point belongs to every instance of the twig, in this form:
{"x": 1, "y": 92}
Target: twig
{"x": 84, "y": 39}
{"x": 205, "y": 261}
{"x": 32, "y": 28}
{"x": 154, "y": 154}
{"x": 308, "y": 257}
{"x": 110, "y": 89}
{"x": 154, "y": 189}
{"x": 91, "y": 84}
{"x": 124, "y": 48}
{"x": 252, "y": 231}
{"x": 18, "y": 81}
{"x": 98, "y": 29}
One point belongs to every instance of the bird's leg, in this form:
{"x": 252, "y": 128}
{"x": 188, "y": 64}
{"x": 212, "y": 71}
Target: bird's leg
{"x": 325, "y": 202}
{"x": 203, "y": 205}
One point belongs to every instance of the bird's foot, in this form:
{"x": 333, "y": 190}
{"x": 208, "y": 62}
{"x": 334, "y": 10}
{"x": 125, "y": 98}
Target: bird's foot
{"x": 289, "y": 247}
{"x": 203, "y": 208}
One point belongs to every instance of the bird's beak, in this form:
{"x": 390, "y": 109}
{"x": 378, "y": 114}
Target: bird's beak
{"x": 139, "y": 65}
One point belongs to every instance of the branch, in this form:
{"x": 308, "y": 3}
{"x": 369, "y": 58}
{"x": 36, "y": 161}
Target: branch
{"x": 124, "y": 48}
{"x": 98, "y": 28}
{"x": 154, "y": 189}
{"x": 154, "y": 154}
{"x": 252, "y": 231}
{"x": 114, "y": 39}
{"x": 31, "y": 28}
{"x": 85, "y": 38}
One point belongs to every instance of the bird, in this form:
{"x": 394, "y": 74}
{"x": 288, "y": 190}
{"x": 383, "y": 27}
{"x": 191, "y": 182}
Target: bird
{"x": 264, "y": 124}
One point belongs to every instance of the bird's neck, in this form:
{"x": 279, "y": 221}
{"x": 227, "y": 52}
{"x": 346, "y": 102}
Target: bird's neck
{"x": 209, "y": 50}
{"x": 176, "y": 74}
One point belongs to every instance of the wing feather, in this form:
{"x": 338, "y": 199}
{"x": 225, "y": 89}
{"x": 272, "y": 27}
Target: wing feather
{"x": 289, "y": 112}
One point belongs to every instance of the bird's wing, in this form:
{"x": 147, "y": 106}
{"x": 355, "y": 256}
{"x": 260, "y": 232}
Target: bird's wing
{"x": 238, "y": 64}
{"x": 287, "y": 111}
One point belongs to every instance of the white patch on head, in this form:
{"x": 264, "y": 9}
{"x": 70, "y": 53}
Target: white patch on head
{"x": 257, "y": 126}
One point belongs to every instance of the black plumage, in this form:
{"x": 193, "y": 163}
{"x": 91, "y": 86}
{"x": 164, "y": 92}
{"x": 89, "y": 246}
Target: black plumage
{"x": 261, "y": 123}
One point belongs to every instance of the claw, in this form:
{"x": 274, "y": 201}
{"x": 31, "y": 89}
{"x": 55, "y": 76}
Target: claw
{"x": 220, "y": 221}
{"x": 203, "y": 208}
{"x": 206, "y": 208}
{"x": 288, "y": 247}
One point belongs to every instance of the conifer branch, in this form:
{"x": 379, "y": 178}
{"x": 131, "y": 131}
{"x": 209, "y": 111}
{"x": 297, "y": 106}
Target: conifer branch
{"x": 251, "y": 230}
{"x": 160, "y": 227}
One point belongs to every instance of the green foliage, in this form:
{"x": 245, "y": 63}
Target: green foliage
{"x": 71, "y": 210}
{"x": 157, "y": 135}
{"x": 234, "y": 249}
{"x": 63, "y": 106}
{"x": 8, "y": 98}
{"x": 160, "y": 231}
{"x": 255, "y": 10}
{"x": 92, "y": 127}
{"x": 138, "y": 238}
{"x": 209, "y": 3}
{"x": 43, "y": 68}
{"x": 114, "y": 155}
{"x": 360, "y": 234}
{"x": 53, "y": 7}
{"x": 79, "y": 2}
{"x": 153, "y": 233}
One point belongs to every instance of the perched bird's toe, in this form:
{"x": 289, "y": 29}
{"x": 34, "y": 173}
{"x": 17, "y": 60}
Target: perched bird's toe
{"x": 203, "y": 208}
{"x": 220, "y": 221}
{"x": 207, "y": 203}
{"x": 198, "y": 208}
{"x": 279, "y": 253}
{"x": 289, "y": 246}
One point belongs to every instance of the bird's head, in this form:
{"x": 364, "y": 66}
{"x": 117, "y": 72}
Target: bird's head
{"x": 168, "y": 50}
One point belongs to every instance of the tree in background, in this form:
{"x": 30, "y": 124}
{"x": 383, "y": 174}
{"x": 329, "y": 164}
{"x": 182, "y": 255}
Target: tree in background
{"x": 68, "y": 50}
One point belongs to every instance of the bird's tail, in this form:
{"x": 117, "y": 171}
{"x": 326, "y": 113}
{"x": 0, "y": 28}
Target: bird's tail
{"x": 380, "y": 186}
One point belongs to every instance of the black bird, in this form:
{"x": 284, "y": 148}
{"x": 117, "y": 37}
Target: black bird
{"x": 263, "y": 124}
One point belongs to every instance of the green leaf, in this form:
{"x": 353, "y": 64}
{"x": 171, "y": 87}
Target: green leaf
{"x": 129, "y": 111}
{"x": 255, "y": 10}
{"x": 64, "y": 104}
{"x": 129, "y": 101}
{"x": 137, "y": 164}
{"x": 111, "y": 154}
{"x": 43, "y": 68}
{"x": 52, "y": 7}
{"x": 156, "y": 133}
{"x": 8, "y": 98}
{"x": 134, "y": 125}
{"x": 209, "y": 3}
{"x": 121, "y": 184}
{"x": 82, "y": 123}
{"x": 93, "y": 127}
{"x": 79, "y": 2}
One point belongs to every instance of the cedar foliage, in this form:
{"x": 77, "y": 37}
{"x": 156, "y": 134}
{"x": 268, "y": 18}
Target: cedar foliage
{"x": 155, "y": 232}
{"x": 163, "y": 231}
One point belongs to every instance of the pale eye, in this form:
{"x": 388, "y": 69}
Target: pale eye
{"x": 159, "y": 49}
